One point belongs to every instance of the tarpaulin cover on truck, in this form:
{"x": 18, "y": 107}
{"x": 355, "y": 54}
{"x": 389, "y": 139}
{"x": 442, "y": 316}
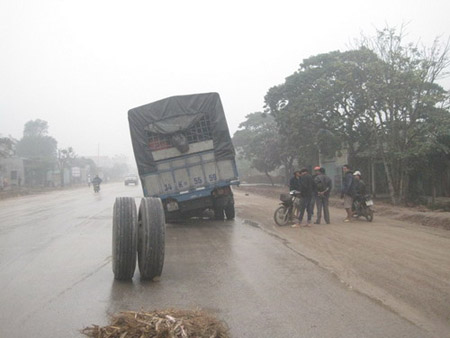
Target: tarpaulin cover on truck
{"x": 175, "y": 115}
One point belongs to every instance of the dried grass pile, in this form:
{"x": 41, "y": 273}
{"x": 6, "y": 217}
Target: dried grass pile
{"x": 160, "y": 324}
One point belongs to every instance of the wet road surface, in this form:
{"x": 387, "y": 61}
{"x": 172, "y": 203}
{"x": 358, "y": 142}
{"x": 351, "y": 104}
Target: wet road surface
{"x": 56, "y": 278}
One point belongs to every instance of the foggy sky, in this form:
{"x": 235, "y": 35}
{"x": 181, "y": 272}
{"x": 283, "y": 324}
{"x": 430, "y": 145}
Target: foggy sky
{"x": 81, "y": 65}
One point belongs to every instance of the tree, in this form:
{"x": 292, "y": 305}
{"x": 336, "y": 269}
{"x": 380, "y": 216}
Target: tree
{"x": 381, "y": 98}
{"x": 259, "y": 142}
{"x": 35, "y": 128}
{"x": 7, "y": 146}
{"x": 39, "y": 148}
{"x": 324, "y": 97}
{"x": 65, "y": 158}
{"x": 407, "y": 105}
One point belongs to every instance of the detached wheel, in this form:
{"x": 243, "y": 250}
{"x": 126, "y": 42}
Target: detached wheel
{"x": 151, "y": 238}
{"x": 124, "y": 240}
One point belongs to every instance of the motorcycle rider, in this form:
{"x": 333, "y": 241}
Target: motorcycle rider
{"x": 360, "y": 190}
{"x": 348, "y": 191}
{"x": 96, "y": 181}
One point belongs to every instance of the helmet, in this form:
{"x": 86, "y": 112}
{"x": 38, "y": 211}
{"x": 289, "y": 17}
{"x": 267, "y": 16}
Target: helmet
{"x": 357, "y": 173}
{"x": 317, "y": 168}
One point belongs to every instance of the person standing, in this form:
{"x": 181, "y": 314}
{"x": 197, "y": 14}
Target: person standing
{"x": 348, "y": 191}
{"x": 314, "y": 192}
{"x": 324, "y": 186}
{"x": 294, "y": 185}
{"x": 306, "y": 188}
{"x": 294, "y": 182}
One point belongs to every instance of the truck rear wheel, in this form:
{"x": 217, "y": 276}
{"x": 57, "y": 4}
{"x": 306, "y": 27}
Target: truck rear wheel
{"x": 229, "y": 211}
{"x": 151, "y": 238}
{"x": 218, "y": 214}
{"x": 124, "y": 240}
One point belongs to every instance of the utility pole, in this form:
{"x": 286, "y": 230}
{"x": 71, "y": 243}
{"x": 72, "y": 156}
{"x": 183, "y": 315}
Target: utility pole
{"x": 98, "y": 156}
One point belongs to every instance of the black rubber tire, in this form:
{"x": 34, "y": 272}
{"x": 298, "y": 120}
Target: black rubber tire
{"x": 124, "y": 239}
{"x": 281, "y": 221}
{"x": 218, "y": 214}
{"x": 151, "y": 238}
{"x": 369, "y": 215}
{"x": 229, "y": 211}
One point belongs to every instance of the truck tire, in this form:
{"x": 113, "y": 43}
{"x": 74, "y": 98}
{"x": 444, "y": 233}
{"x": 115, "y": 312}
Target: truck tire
{"x": 151, "y": 237}
{"x": 124, "y": 241}
{"x": 229, "y": 211}
{"x": 218, "y": 214}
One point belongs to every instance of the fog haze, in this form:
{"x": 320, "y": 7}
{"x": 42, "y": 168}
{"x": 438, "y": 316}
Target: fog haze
{"x": 80, "y": 65}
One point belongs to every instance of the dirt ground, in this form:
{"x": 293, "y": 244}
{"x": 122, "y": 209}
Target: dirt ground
{"x": 394, "y": 260}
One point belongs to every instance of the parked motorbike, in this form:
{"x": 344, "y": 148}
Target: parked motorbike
{"x": 96, "y": 187}
{"x": 286, "y": 212}
{"x": 362, "y": 207}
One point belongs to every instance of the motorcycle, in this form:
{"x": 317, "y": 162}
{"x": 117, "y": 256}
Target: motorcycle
{"x": 286, "y": 212}
{"x": 96, "y": 187}
{"x": 362, "y": 207}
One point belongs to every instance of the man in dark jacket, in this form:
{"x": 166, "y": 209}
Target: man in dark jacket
{"x": 294, "y": 185}
{"x": 348, "y": 191}
{"x": 294, "y": 182}
{"x": 315, "y": 192}
{"x": 324, "y": 186}
{"x": 306, "y": 190}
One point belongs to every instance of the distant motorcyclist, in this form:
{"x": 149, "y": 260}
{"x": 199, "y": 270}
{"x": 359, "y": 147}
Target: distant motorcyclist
{"x": 96, "y": 181}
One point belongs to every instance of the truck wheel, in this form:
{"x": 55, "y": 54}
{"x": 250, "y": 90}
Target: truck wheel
{"x": 151, "y": 237}
{"x": 218, "y": 214}
{"x": 124, "y": 238}
{"x": 229, "y": 211}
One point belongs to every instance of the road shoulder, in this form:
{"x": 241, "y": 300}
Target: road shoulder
{"x": 387, "y": 260}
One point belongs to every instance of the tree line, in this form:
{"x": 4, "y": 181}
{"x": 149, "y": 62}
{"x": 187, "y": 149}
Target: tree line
{"x": 378, "y": 100}
{"x": 41, "y": 154}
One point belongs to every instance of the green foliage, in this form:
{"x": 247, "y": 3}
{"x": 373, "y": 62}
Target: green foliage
{"x": 37, "y": 147}
{"x": 380, "y": 100}
{"x": 258, "y": 141}
{"x": 35, "y": 128}
{"x": 7, "y": 146}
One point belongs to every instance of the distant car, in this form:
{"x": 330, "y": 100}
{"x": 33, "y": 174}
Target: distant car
{"x": 131, "y": 178}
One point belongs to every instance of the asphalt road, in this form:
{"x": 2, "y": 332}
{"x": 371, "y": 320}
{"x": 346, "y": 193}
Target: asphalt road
{"x": 56, "y": 277}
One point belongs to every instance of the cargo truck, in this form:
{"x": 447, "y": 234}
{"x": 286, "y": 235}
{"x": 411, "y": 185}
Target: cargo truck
{"x": 184, "y": 155}
{"x": 186, "y": 164}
